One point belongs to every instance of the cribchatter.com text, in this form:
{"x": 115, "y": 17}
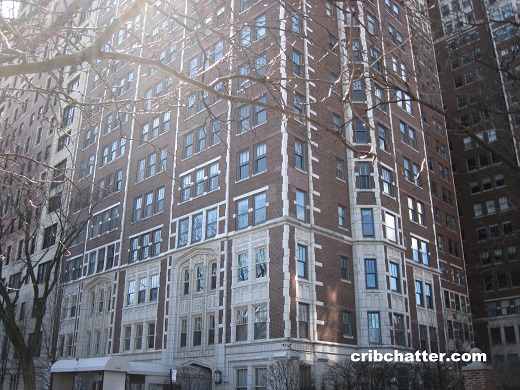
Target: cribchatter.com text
{"x": 418, "y": 356}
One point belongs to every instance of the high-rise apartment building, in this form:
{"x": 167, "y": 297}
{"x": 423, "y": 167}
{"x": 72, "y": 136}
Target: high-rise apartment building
{"x": 254, "y": 182}
{"x": 477, "y": 47}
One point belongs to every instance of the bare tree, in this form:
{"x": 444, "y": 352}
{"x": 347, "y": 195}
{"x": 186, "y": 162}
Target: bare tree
{"x": 193, "y": 377}
{"x": 36, "y": 231}
{"x": 348, "y": 375}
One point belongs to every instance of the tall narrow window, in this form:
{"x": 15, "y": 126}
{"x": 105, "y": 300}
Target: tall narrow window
{"x": 259, "y": 214}
{"x": 241, "y": 325}
{"x": 371, "y": 273}
{"x": 342, "y": 216}
{"x": 243, "y": 164}
{"x": 364, "y": 175}
{"x": 367, "y": 221}
{"x": 303, "y": 320}
{"x": 395, "y": 281}
{"x": 345, "y": 269}
{"x": 419, "y": 295}
{"x": 243, "y": 267}
{"x": 374, "y": 328}
{"x": 299, "y": 152}
{"x": 301, "y": 205}
{"x": 260, "y": 263}
{"x": 260, "y": 328}
{"x": 197, "y": 331}
{"x": 347, "y": 323}
{"x": 200, "y": 278}
{"x": 260, "y": 158}
{"x": 302, "y": 266}
{"x": 242, "y": 213}
{"x": 211, "y": 223}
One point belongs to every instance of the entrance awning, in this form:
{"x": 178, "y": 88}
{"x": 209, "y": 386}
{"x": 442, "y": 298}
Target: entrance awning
{"x": 109, "y": 363}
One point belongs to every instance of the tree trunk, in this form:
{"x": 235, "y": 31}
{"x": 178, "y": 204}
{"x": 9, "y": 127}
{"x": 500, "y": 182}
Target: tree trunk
{"x": 28, "y": 373}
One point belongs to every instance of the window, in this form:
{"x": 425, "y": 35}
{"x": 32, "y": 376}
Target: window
{"x": 198, "y": 188}
{"x": 371, "y": 24}
{"x": 358, "y": 91}
{"x": 375, "y": 61}
{"x": 260, "y": 326}
{"x": 260, "y": 158}
{"x": 297, "y": 60}
{"x": 399, "y": 330}
{"x": 367, "y": 221}
{"x": 301, "y": 262}
{"x": 379, "y": 98}
{"x": 44, "y": 271}
{"x": 260, "y": 263}
{"x": 299, "y": 152}
{"x": 420, "y": 251}
{"x": 242, "y": 213}
{"x": 196, "y": 228}
{"x": 241, "y": 377}
{"x": 340, "y": 169}
{"x": 154, "y": 288}
{"x": 49, "y": 236}
{"x": 197, "y": 331}
{"x": 303, "y": 320}
{"x": 213, "y": 177}
{"x": 364, "y": 175}
{"x": 342, "y": 216}
{"x": 391, "y": 227}
{"x": 360, "y": 131}
{"x": 428, "y": 294}
{"x": 261, "y": 64}
{"x": 260, "y": 112}
{"x": 185, "y": 188}
{"x": 336, "y": 123}
{"x": 301, "y": 205}
{"x": 183, "y": 232}
{"x": 347, "y": 323}
{"x": 374, "y": 328}
{"x": 419, "y": 297}
{"x": 333, "y": 44}
{"x": 345, "y": 268}
{"x": 241, "y": 325}
{"x": 503, "y": 203}
{"x": 130, "y": 293}
{"x": 141, "y": 295}
{"x": 184, "y": 332}
{"x": 243, "y": 164}
{"x": 370, "y": 273}
{"x": 388, "y": 186}
{"x": 395, "y": 280}
{"x": 404, "y": 101}
{"x": 299, "y": 101}
{"x": 188, "y": 144}
{"x": 68, "y": 116}
{"x": 151, "y": 336}
{"x": 260, "y": 378}
{"x": 211, "y": 330}
{"x": 211, "y": 223}
{"x": 259, "y": 214}
{"x": 243, "y": 267}
{"x": 296, "y": 23}
{"x": 127, "y": 338}
{"x": 335, "y": 83}
{"x": 214, "y": 136}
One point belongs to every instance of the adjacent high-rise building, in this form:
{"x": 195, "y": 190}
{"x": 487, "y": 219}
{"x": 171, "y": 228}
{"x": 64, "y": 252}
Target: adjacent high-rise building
{"x": 254, "y": 182}
{"x": 477, "y": 53}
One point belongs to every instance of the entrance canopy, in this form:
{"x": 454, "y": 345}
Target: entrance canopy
{"x": 110, "y": 363}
